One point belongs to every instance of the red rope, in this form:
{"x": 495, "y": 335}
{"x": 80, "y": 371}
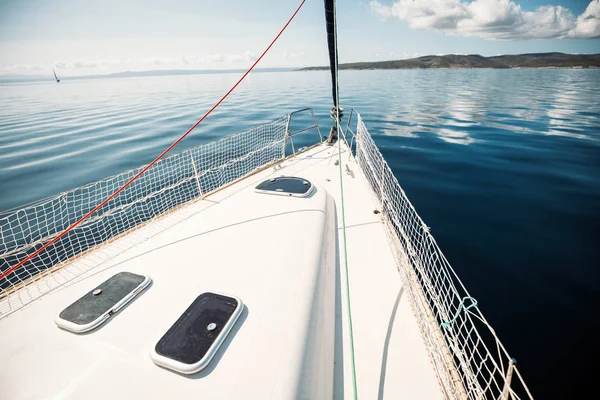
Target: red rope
{"x": 109, "y": 198}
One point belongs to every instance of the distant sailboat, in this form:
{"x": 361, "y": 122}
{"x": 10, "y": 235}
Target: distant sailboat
{"x": 55, "y": 77}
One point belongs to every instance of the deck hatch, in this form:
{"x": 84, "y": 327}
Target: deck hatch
{"x": 286, "y": 186}
{"x": 193, "y": 340}
{"x": 94, "y": 307}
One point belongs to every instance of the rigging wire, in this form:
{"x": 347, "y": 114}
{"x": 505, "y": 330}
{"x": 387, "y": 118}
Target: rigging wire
{"x": 99, "y": 206}
{"x": 336, "y": 113}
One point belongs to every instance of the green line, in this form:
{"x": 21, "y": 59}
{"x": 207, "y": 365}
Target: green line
{"x": 346, "y": 266}
{"x": 339, "y": 131}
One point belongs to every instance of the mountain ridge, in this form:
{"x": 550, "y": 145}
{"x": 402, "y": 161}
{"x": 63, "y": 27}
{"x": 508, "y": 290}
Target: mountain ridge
{"x": 458, "y": 61}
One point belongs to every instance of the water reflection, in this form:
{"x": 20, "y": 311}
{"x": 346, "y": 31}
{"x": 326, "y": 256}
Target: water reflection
{"x": 563, "y": 113}
{"x": 474, "y": 106}
{"x": 106, "y": 126}
{"x": 456, "y": 137}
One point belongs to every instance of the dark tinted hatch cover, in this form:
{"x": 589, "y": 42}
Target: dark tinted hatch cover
{"x": 192, "y": 335}
{"x": 286, "y": 184}
{"x": 102, "y": 298}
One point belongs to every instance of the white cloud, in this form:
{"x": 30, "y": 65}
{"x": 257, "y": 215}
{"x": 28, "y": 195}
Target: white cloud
{"x": 20, "y": 68}
{"x": 157, "y": 61}
{"x": 133, "y": 62}
{"x": 215, "y": 58}
{"x": 404, "y": 55}
{"x": 247, "y": 56}
{"x": 91, "y": 63}
{"x": 84, "y": 64}
{"x": 180, "y": 61}
{"x": 588, "y": 23}
{"x": 250, "y": 56}
{"x": 192, "y": 60}
{"x": 494, "y": 19}
{"x": 235, "y": 58}
{"x": 292, "y": 55}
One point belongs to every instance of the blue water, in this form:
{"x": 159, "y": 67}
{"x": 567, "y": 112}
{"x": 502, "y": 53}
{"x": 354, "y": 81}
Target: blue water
{"x": 504, "y": 165}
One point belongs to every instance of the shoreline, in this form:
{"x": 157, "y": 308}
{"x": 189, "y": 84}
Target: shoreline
{"x": 312, "y": 69}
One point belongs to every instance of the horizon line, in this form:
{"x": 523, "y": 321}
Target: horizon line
{"x": 179, "y": 71}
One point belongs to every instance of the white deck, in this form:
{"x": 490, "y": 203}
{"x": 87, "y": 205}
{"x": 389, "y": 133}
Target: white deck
{"x": 276, "y": 253}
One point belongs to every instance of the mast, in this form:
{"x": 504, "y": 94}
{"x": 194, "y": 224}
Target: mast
{"x": 55, "y": 77}
{"x": 332, "y": 44}
{"x": 336, "y": 111}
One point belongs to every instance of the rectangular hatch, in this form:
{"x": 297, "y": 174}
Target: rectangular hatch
{"x": 286, "y": 186}
{"x": 100, "y": 303}
{"x": 193, "y": 340}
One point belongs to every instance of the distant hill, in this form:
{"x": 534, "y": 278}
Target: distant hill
{"x": 535, "y": 60}
{"x": 129, "y": 74}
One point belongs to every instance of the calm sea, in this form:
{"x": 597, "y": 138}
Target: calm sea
{"x": 504, "y": 165}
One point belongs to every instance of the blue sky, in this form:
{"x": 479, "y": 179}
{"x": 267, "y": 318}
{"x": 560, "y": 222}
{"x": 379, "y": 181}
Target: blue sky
{"x": 89, "y": 37}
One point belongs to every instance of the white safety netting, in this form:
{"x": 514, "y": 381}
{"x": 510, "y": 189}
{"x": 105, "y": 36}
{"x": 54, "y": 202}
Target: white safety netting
{"x": 168, "y": 184}
{"x": 468, "y": 357}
